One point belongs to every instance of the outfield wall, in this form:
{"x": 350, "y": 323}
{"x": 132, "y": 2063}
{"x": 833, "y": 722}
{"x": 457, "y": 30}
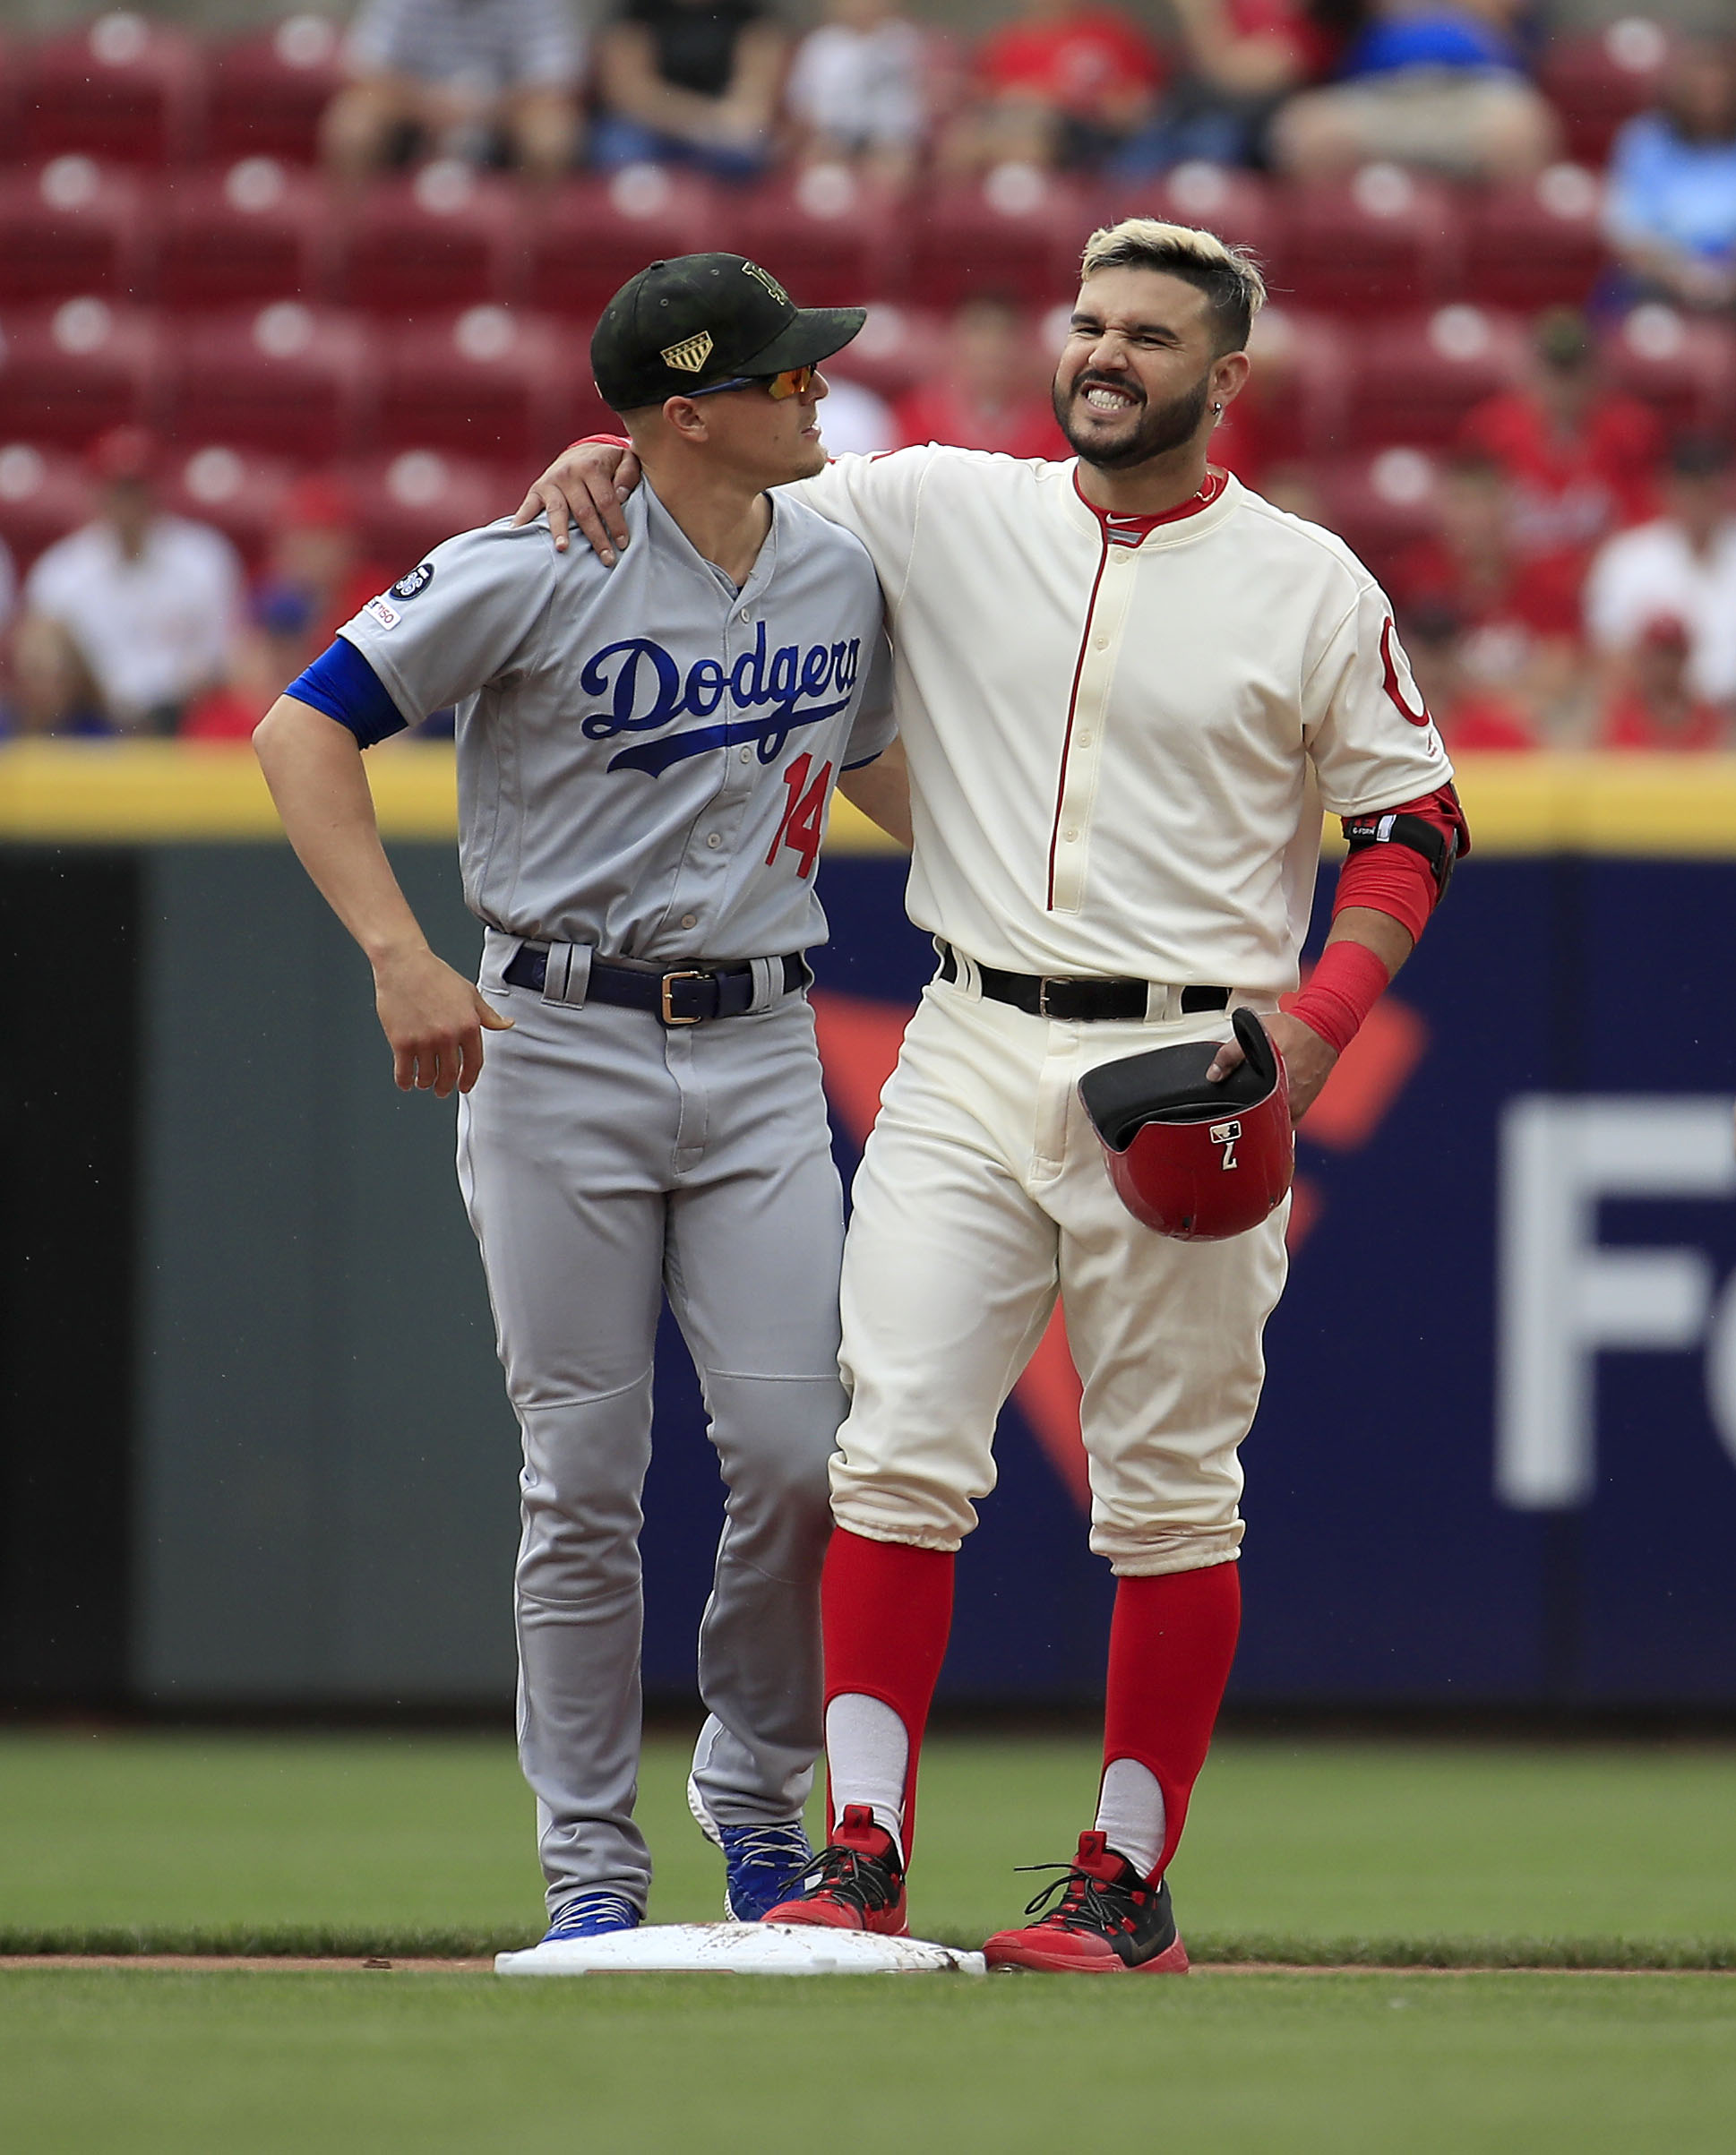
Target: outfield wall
{"x": 255, "y": 1448}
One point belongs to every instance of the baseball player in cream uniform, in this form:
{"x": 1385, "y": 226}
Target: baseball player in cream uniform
{"x": 1127, "y": 688}
{"x": 645, "y": 764}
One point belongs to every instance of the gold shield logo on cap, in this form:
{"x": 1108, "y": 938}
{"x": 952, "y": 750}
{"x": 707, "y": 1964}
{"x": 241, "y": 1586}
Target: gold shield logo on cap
{"x": 689, "y": 354}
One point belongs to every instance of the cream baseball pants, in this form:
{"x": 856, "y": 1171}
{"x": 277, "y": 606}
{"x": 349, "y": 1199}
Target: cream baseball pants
{"x": 982, "y": 1195}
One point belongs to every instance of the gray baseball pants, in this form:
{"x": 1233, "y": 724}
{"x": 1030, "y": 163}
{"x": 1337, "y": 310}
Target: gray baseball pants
{"x": 604, "y": 1162}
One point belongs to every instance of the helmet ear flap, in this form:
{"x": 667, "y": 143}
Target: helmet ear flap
{"x": 1256, "y": 1045}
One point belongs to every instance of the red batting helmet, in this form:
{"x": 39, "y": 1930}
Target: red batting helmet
{"x": 1192, "y": 1159}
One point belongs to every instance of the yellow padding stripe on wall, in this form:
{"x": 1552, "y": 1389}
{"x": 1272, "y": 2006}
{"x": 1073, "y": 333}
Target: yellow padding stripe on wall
{"x": 97, "y": 793}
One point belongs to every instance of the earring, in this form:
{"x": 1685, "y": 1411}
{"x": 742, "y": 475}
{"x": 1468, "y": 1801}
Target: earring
{"x": 1217, "y": 411}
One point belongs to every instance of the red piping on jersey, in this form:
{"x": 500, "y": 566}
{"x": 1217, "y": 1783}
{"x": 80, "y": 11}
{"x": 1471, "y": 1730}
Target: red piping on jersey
{"x": 1213, "y": 487}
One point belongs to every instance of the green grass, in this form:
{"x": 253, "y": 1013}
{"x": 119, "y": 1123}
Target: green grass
{"x": 1299, "y": 1844}
{"x": 428, "y": 2064}
{"x": 1317, "y": 1849}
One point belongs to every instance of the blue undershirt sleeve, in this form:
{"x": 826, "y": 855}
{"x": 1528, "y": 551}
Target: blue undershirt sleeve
{"x": 341, "y": 683}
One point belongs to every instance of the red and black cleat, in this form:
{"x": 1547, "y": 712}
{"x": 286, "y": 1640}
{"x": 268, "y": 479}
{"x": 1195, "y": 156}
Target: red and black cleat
{"x": 855, "y": 1882}
{"x": 1109, "y": 1920}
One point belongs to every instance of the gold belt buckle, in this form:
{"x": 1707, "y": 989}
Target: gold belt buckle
{"x": 669, "y": 980}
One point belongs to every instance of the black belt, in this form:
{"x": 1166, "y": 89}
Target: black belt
{"x": 1077, "y": 1001}
{"x": 684, "y": 995}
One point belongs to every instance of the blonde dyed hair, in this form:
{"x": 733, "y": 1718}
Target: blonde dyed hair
{"x": 1229, "y": 277}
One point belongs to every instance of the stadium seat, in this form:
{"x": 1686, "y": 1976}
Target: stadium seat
{"x": 487, "y": 384}
{"x": 1683, "y": 367}
{"x": 1382, "y": 240}
{"x": 1378, "y": 504}
{"x": 257, "y": 231}
{"x": 70, "y": 227}
{"x": 896, "y": 348}
{"x": 68, "y": 373}
{"x": 123, "y": 88}
{"x": 238, "y": 490}
{"x": 267, "y": 91}
{"x": 1017, "y": 234}
{"x": 1598, "y": 81}
{"x": 1536, "y": 243}
{"x": 408, "y": 502}
{"x": 445, "y": 237}
{"x": 1297, "y": 397}
{"x": 1414, "y": 381}
{"x": 1238, "y": 206}
{"x": 45, "y": 492}
{"x": 595, "y": 233}
{"x": 831, "y": 238}
{"x": 287, "y": 377}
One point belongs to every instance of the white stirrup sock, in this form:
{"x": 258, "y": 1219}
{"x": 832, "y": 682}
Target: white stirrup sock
{"x": 1131, "y": 1813}
{"x": 867, "y": 1752}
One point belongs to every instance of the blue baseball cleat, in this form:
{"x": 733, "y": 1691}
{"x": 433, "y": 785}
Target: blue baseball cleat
{"x": 592, "y": 1914}
{"x": 763, "y": 1865}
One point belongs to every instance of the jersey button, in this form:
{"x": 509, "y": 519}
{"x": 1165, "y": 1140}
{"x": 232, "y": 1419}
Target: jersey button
{"x": 747, "y": 755}
{"x": 1071, "y": 837}
{"x": 690, "y": 920}
{"x": 1086, "y": 739}
{"x": 1101, "y": 640}
{"x": 713, "y": 840}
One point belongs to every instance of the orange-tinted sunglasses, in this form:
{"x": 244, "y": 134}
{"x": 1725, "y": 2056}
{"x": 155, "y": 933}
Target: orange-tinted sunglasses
{"x": 793, "y": 381}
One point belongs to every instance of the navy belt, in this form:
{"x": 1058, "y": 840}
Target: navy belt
{"x": 1077, "y": 1001}
{"x": 680, "y": 995}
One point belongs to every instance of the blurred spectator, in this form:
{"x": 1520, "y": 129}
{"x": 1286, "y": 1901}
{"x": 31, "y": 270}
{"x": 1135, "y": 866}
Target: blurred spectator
{"x": 1475, "y": 719}
{"x": 1653, "y": 705}
{"x": 990, "y": 390}
{"x": 1436, "y": 83}
{"x": 459, "y": 75}
{"x": 1520, "y": 621}
{"x": 855, "y": 422}
{"x": 1243, "y": 58}
{"x": 48, "y": 688}
{"x": 690, "y": 83}
{"x": 317, "y": 553}
{"x": 1065, "y": 82}
{"x": 271, "y": 651}
{"x": 856, "y": 89}
{"x": 1671, "y": 208}
{"x": 1580, "y": 461}
{"x": 147, "y": 604}
{"x": 1681, "y": 566}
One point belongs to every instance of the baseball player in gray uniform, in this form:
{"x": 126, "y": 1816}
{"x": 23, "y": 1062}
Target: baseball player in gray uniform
{"x": 646, "y": 759}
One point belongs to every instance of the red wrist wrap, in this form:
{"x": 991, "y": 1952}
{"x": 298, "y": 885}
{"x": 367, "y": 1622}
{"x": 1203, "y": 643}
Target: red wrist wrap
{"x": 607, "y": 440}
{"x": 1345, "y": 987}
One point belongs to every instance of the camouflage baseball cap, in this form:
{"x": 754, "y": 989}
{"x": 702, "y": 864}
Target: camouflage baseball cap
{"x": 683, "y": 325}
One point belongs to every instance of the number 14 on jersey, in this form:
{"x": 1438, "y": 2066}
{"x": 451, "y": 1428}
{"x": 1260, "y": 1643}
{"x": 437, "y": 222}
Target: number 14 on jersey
{"x": 802, "y": 822}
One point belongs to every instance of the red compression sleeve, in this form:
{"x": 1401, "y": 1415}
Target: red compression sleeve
{"x": 1345, "y": 987}
{"x": 1171, "y": 1644}
{"x": 887, "y": 1610}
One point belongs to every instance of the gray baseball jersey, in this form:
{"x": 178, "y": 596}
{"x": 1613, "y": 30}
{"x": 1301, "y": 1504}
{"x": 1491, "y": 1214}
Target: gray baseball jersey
{"x": 645, "y": 760}
{"x": 645, "y": 754}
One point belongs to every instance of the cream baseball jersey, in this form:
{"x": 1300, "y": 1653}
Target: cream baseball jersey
{"x": 1121, "y": 770}
{"x": 646, "y": 756}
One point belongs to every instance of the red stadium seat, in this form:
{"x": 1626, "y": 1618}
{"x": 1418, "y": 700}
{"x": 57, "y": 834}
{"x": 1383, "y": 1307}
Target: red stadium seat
{"x": 595, "y": 234}
{"x": 68, "y": 372}
{"x": 1297, "y": 398}
{"x": 70, "y": 228}
{"x": 269, "y": 89}
{"x": 123, "y": 88}
{"x": 829, "y": 236}
{"x": 446, "y": 236}
{"x": 897, "y": 346}
{"x": 1378, "y": 504}
{"x": 238, "y": 490}
{"x": 408, "y": 503}
{"x": 257, "y": 231}
{"x": 9, "y": 89}
{"x": 1414, "y": 381}
{"x": 488, "y": 384}
{"x": 1536, "y": 243}
{"x": 288, "y": 378}
{"x": 1684, "y": 367}
{"x": 45, "y": 492}
{"x": 1237, "y": 206}
{"x": 1016, "y": 236}
{"x": 1383, "y": 240}
{"x": 1595, "y": 82}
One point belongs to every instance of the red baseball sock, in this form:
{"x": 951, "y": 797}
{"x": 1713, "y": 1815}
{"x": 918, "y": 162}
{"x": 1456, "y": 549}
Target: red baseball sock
{"x": 887, "y": 1609}
{"x": 1170, "y": 1645}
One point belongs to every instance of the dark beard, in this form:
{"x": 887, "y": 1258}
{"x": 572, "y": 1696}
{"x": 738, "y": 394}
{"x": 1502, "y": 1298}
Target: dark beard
{"x": 1157, "y": 433}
